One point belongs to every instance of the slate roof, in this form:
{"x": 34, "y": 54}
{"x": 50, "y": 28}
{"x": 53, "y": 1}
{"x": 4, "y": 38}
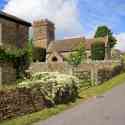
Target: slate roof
{"x": 65, "y": 45}
{"x": 69, "y": 45}
{"x": 14, "y": 18}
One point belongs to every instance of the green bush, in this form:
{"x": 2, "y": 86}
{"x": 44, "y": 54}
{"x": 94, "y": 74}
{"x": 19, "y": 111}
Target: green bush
{"x": 98, "y": 51}
{"x": 77, "y": 57}
{"x": 20, "y": 58}
{"x": 55, "y": 87}
{"x": 39, "y": 54}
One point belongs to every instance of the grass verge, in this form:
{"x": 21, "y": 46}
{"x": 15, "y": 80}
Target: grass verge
{"x": 84, "y": 94}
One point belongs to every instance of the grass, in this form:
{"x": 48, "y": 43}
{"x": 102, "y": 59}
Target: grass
{"x": 84, "y": 94}
{"x": 31, "y": 118}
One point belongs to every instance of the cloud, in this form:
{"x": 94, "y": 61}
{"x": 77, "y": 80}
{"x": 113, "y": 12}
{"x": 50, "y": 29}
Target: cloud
{"x": 101, "y": 13}
{"x": 121, "y": 41}
{"x": 64, "y": 13}
{"x": 74, "y": 17}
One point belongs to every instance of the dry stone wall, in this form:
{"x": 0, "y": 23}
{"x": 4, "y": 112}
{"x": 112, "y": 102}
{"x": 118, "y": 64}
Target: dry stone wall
{"x": 18, "y": 102}
{"x": 88, "y": 72}
{"x": 50, "y": 67}
{"x": 22, "y": 101}
{"x": 7, "y": 73}
{"x": 107, "y": 73}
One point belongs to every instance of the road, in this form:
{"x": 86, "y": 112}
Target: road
{"x": 108, "y": 109}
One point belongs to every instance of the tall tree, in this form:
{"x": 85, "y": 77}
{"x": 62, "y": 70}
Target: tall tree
{"x": 103, "y": 31}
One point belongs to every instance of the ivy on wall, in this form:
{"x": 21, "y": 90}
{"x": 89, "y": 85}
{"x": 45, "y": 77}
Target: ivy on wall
{"x": 20, "y": 58}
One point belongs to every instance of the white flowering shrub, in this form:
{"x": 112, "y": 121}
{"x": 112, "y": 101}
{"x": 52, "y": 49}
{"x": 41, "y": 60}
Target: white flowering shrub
{"x": 55, "y": 87}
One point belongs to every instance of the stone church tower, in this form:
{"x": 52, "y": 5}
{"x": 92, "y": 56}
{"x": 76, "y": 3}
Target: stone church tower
{"x": 44, "y": 33}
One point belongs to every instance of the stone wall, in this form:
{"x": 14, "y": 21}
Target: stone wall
{"x": 7, "y": 73}
{"x": 85, "y": 76}
{"x": 18, "y": 102}
{"x": 82, "y": 71}
{"x": 95, "y": 72}
{"x": 104, "y": 74}
{"x": 13, "y": 34}
{"x": 50, "y": 67}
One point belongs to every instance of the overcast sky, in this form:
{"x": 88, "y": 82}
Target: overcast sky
{"x": 73, "y": 17}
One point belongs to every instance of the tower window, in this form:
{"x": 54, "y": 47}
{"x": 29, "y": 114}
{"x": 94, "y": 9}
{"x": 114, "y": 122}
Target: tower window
{"x": 54, "y": 59}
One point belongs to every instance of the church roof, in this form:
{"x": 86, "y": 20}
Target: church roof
{"x": 65, "y": 45}
{"x": 69, "y": 45}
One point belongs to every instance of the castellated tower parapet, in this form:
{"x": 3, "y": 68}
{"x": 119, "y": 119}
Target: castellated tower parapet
{"x": 43, "y": 33}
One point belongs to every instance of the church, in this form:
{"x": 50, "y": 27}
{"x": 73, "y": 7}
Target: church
{"x": 59, "y": 50}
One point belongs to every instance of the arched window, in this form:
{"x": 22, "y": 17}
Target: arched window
{"x": 54, "y": 59}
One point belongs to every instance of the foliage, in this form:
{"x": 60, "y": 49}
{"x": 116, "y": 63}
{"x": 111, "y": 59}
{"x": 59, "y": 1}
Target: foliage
{"x": 20, "y": 57}
{"x": 97, "y": 90}
{"x": 29, "y": 50}
{"x": 84, "y": 94}
{"x": 6, "y": 55}
{"x": 98, "y": 51}
{"x": 78, "y": 56}
{"x": 103, "y": 31}
{"x": 55, "y": 87}
{"x": 37, "y": 116}
{"x": 23, "y": 59}
{"x": 39, "y": 54}
{"x": 21, "y": 63}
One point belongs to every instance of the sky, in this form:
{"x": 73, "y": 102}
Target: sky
{"x": 73, "y": 18}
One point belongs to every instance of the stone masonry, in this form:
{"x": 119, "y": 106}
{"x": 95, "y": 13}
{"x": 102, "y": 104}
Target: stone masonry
{"x": 7, "y": 73}
{"x": 13, "y": 34}
{"x": 19, "y": 101}
{"x": 44, "y": 33}
{"x": 92, "y": 72}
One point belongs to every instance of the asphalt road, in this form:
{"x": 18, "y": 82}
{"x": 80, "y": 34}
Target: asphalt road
{"x": 108, "y": 109}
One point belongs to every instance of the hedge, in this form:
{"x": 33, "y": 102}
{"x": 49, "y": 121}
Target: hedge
{"x": 55, "y": 87}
